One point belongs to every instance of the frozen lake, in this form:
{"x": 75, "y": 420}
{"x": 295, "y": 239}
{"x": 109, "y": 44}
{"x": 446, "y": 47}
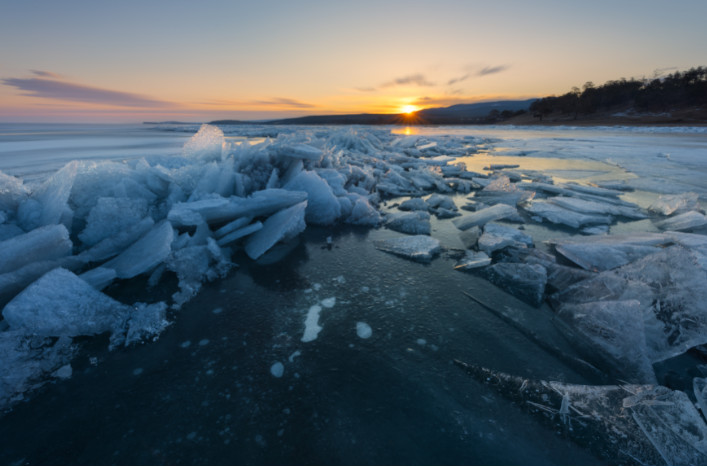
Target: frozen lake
{"x": 340, "y": 352}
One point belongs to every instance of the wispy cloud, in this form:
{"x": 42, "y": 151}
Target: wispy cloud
{"x": 416, "y": 79}
{"x": 46, "y": 74}
{"x": 490, "y": 70}
{"x": 459, "y": 79}
{"x": 369, "y": 89}
{"x": 49, "y": 87}
{"x": 284, "y": 102}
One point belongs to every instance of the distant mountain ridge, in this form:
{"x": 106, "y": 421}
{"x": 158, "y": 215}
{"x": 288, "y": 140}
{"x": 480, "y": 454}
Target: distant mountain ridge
{"x": 480, "y": 112}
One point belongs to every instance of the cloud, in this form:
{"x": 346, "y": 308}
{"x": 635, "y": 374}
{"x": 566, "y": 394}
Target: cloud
{"x": 67, "y": 91}
{"x": 365, "y": 89}
{"x": 416, "y": 79}
{"x": 46, "y": 74}
{"x": 490, "y": 70}
{"x": 458, "y": 80}
{"x": 285, "y": 102}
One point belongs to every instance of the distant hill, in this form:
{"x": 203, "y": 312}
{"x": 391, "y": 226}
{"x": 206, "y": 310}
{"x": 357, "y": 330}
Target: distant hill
{"x": 481, "y": 112}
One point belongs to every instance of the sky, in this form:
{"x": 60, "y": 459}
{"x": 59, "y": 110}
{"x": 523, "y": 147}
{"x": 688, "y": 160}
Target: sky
{"x": 131, "y": 61}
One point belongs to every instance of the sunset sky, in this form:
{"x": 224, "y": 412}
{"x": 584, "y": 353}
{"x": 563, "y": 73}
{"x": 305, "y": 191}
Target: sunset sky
{"x": 125, "y": 61}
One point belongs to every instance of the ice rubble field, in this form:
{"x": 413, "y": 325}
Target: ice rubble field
{"x": 627, "y": 300}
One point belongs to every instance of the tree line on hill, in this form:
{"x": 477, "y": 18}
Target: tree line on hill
{"x": 679, "y": 90}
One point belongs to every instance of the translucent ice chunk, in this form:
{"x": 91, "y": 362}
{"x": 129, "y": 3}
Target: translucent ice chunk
{"x": 363, "y": 330}
{"x": 12, "y": 192}
{"x": 145, "y": 254}
{"x": 61, "y": 304}
{"x": 362, "y": 213}
{"x": 497, "y": 237}
{"x": 322, "y": 206}
{"x": 240, "y": 233}
{"x": 626, "y": 424}
{"x": 311, "y": 324}
{"x": 99, "y": 278}
{"x": 473, "y": 260}
{"x": 206, "y": 145}
{"x": 112, "y": 215}
{"x": 284, "y": 225}
{"x": 417, "y": 222}
{"x": 116, "y": 244}
{"x": 601, "y": 253}
{"x": 418, "y": 247}
{"x": 675, "y": 204}
{"x": 596, "y": 207}
{"x": 685, "y": 221}
{"x": 48, "y": 204}
{"x": 261, "y": 203}
{"x": 481, "y": 217}
{"x": 525, "y": 281}
{"x": 41, "y": 244}
{"x": 559, "y": 215}
{"x": 414, "y": 204}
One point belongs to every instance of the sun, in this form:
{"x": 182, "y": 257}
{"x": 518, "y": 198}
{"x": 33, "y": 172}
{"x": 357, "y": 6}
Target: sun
{"x": 408, "y": 109}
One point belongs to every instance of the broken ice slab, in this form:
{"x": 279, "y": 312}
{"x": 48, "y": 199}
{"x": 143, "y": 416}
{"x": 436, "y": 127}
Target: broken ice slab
{"x": 42, "y": 244}
{"x": 24, "y": 360}
{"x": 207, "y": 144}
{"x": 675, "y": 204}
{"x": 416, "y": 222}
{"x": 481, "y": 217}
{"x": 145, "y": 254}
{"x": 12, "y": 283}
{"x": 441, "y": 201}
{"x": 596, "y": 207}
{"x": 699, "y": 388}
{"x": 99, "y": 278}
{"x": 301, "y": 151}
{"x": 497, "y": 237}
{"x": 470, "y": 237}
{"x": 414, "y": 204}
{"x": 623, "y": 424}
{"x": 671, "y": 288}
{"x": 561, "y": 277}
{"x": 232, "y": 226}
{"x": 501, "y": 190}
{"x": 49, "y": 203}
{"x": 215, "y": 210}
{"x": 363, "y": 213}
{"x": 525, "y": 281}
{"x": 600, "y": 253}
{"x": 116, "y": 244}
{"x": 61, "y": 304}
{"x": 472, "y": 260}
{"x": 593, "y": 190}
{"x": 112, "y": 215}
{"x": 686, "y": 221}
{"x": 240, "y": 233}
{"x": 558, "y": 215}
{"x": 501, "y": 166}
{"x": 420, "y": 248}
{"x": 614, "y": 336}
{"x": 322, "y": 206}
{"x": 12, "y": 192}
{"x": 281, "y": 226}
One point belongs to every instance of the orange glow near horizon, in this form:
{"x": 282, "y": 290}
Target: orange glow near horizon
{"x": 408, "y": 109}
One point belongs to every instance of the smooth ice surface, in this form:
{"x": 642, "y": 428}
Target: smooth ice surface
{"x": 418, "y": 247}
